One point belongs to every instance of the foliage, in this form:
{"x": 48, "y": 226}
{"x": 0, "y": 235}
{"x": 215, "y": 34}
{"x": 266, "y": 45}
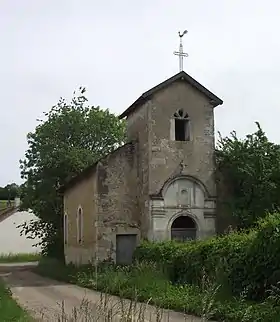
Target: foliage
{"x": 73, "y": 136}
{"x": 250, "y": 168}
{"x": 160, "y": 252}
{"x": 146, "y": 282}
{"x": 262, "y": 264}
{"x": 9, "y": 309}
{"x": 242, "y": 262}
{"x": 10, "y": 191}
{"x": 163, "y": 254}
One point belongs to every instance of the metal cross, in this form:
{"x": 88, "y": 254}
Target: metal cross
{"x": 181, "y": 53}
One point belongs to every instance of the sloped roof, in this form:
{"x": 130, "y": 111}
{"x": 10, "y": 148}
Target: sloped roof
{"x": 183, "y": 76}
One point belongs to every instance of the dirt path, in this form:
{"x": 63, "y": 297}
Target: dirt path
{"x": 50, "y": 300}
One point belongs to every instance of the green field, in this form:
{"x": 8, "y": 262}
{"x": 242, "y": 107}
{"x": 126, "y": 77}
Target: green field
{"x": 19, "y": 258}
{"x": 3, "y": 204}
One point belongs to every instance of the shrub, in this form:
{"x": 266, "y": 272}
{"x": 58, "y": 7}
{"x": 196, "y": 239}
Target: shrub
{"x": 163, "y": 254}
{"x": 262, "y": 264}
{"x": 240, "y": 261}
{"x": 248, "y": 169}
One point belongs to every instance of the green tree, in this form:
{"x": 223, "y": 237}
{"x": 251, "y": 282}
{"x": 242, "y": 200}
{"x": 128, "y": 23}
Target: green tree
{"x": 251, "y": 169}
{"x": 73, "y": 136}
{"x": 9, "y": 192}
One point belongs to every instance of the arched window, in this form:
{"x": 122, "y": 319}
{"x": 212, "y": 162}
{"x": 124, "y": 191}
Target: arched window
{"x": 181, "y": 126}
{"x": 80, "y": 225}
{"x": 65, "y": 228}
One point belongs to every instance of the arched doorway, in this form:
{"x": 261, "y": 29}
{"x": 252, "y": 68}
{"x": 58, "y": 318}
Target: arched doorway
{"x": 183, "y": 229}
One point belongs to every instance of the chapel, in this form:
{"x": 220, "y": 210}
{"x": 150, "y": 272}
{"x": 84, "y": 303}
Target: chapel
{"x": 158, "y": 186}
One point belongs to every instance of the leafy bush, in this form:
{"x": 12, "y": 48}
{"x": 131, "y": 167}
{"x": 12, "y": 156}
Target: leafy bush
{"x": 262, "y": 263}
{"x": 249, "y": 169}
{"x": 241, "y": 261}
{"x": 162, "y": 253}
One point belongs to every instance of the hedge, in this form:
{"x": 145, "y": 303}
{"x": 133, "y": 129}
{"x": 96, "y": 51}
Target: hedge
{"x": 242, "y": 261}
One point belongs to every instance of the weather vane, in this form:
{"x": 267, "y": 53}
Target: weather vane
{"x": 181, "y": 53}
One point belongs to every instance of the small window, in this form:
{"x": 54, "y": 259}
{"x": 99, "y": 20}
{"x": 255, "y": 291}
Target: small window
{"x": 80, "y": 225}
{"x": 182, "y": 126}
{"x": 65, "y": 229}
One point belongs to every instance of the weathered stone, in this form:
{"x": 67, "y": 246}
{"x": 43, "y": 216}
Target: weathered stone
{"x": 158, "y": 161}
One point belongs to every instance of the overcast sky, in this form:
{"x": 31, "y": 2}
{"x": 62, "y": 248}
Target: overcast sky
{"x": 119, "y": 49}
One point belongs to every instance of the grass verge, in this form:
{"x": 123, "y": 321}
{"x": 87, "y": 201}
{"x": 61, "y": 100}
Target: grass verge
{"x": 19, "y": 257}
{"x": 9, "y": 309}
{"x": 148, "y": 284}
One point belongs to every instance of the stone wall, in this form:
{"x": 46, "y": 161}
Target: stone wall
{"x": 138, "y": 128}
{"x": 117, "y": 199}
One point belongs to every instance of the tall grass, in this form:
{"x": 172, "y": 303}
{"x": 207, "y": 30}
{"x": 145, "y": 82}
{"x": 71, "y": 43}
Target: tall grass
{"x": 108, "y": 309}
{"x": 146, "y": 283}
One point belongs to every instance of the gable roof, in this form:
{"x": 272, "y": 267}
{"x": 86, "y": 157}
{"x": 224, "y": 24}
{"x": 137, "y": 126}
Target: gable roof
{"x": 215, "y": 100}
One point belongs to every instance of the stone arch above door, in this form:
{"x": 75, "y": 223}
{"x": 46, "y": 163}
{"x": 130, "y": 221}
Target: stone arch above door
{"x": 184, "y": 192}
{"x": 182, "y": 196}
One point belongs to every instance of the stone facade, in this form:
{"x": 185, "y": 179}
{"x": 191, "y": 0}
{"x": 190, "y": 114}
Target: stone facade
{"x": 164, "y": 160}
{"x": 144, "y": 186}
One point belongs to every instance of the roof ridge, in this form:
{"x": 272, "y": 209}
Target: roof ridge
{"x": 215, "y": 100}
